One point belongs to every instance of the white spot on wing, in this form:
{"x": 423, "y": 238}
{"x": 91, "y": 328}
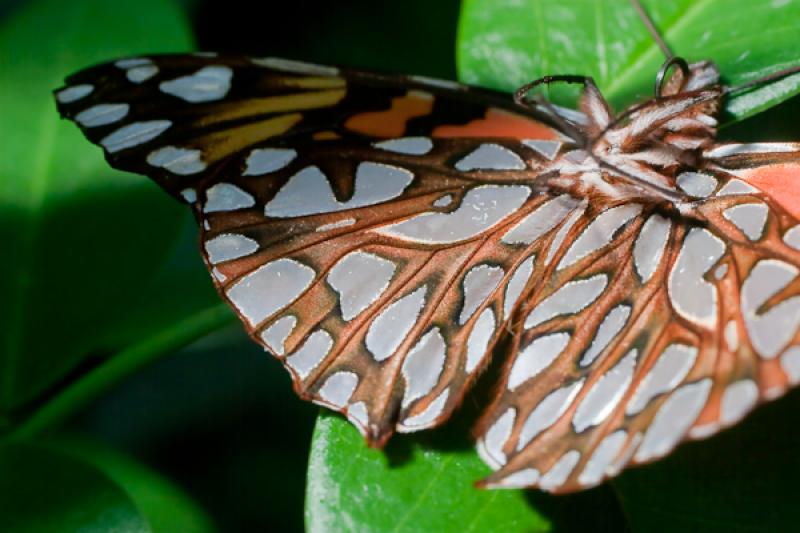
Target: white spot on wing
{"x": 74, "y": 93}
{"x": 792, "y": 237}
{"x": 392, "y": 325}
{"x": 599, "y": 464}
{"x": 547, "y": 149}
{"x": 771, "y": 331}
{"x": 263, "y": 160}
{"x": 299, "y": 67}
{"x": 516, "y": 285}
{"x": 669, "y": 370}
{"x": 134, "y": 134}
{"x": 696, "y": 184}
{"x": 406, "y": 145}
{"x": 229, "y": 246}
{"x": 560, "y": 471}
{"x": 338, "y": 388}
{"x": 605, "y": 394}
{"x": 131, "y": 62}
{"x": 306, "y": 358}
{"x": 207, "y": 84}
{"x": 749, "y": 218}
{"x": 481, "y": 208}
{"x": 547, "y": 412}
{"x": 270, "y": 288}
{"x": 526, "y": 477}
{"x": 309, "y": 192}
{"x": 190, "y": 195}
{"x": 546, "y": 217}
{"x": 535, "y": 357}
{"x": 478, "y": 285}
{"x": 479, "y": 338}
{"x": 726, "y": 150}
{"x": 673, "y": 419}
{"x": 427, "y": 417}
{"x": 612, "y": 324}
{"x": 182, "y": 161}
{"x": 490, "y": 447}
{"x": 141, "y": 74}
{"x": 359, "y": 278}
{"x": 735, "y": 186}
{"x": 490, "y": 156}
{"x": 599, "y": 233}
{"x": 737, "y": 400}
{"x": 790, "y": 362}
{"x": 275, "y": 336}
{"x": 227, "y": 197}
{"x": 423, "y": 365}
{"x": 102, "y": 114}
{"x": 567, "y": 300}
{"x": 692, "y": 296}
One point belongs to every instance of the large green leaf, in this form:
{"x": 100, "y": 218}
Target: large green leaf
{"x": 419, "y": 485}
{"x": 506, "y": 43}
{"x": 78, "y": 486}
{"x": 85, "y": 248}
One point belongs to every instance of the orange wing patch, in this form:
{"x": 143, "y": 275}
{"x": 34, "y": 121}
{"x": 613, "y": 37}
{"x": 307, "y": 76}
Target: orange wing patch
{"x": 499, "y": 123}
{"x": 392, "y": 122}
{"x": 781, "y": 182}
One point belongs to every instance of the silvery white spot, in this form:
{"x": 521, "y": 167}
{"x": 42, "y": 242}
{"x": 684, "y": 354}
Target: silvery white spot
{"x": 516, "y": 285}
{"x": 771, "y": 331}
{"x": 673, "y": 420}
{"x": 607, "y": 331}
{"x": 359, "y": 278}
{"x": 338, "y": 388}
{"x": 730, "y": 149}
{"x": 141, "y": 74}
{"x": 564, "y": 230}
{"x": 560, "y": 471}
{"x": 427, "y": 417}
{"x": 219, "y": 276}
{"x": 568, "y": 299}
{"x": 720, "y": 271}
{"x": 735, "y": 186}
{"x": 444, "y": 201}
{"x": 548, "y": 412}
{"x": 792, "y": 237}
{"x": 546, "y": 217}
{"x": 406, "y": 145}
{"x": 732, "y": 335}
{"x": 490, "y": 156}
{"x": 479, "y": 339}
{"x": 481, "y": 208}
{"x": 299, "y": 67}
{"x": 311, "y": 353}
{"x": 182, "y": 161}
{"x": 102, "y": 114}
{"x": 548, "y": 149}
{"x": 270, "y": 288}
{"x": 739, "y": 397}
{"x": 131, "y": 62}
{"x": 749, "y": 218}
{"x": 697, "y": 184}
{"x": 599, "y": 464}
{"x": 790, "y": 362}
{"x": 436, "y": 82}
{"x": 423, "y": 365}
{"x": 74, "y": 93}
{"x": 490, "y": 447}
{"x": 392, "y": 325}
{"x": 345, "y": 222}
{"x": 190, "y": 195}
{"x": 517, "y": 480}
{"x": 535, "y": 357}
{"x": 227, "y": 197}
{"x": 649, "y": 246}
{"x": 275, "y": 336}
{"x": 263, "y": 160}
{"x": 229, "y": 246}
{"x": 309, "y": 192}
{"x": 624, "y": 458}
{"x": 357, "y": 413}
{"x": 206, "y": 85}
{"x": 134, "y": 134}
{"x": 704, "y": 431}
{"x": 692, "y": 296}
{"x": 599, "y": 233}
{"x": 477, "y": 286}
{"x": 605, "y": 394}
{"x": 669, "y": 370}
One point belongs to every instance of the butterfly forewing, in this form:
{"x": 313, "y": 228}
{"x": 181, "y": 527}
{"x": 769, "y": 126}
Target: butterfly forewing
{"x": 380, "y": 235}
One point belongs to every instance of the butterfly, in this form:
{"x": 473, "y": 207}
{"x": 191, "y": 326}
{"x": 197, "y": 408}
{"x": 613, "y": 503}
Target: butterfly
{"x": 385, "y": 237}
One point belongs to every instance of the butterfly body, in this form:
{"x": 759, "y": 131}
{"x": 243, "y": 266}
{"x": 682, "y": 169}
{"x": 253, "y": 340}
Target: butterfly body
{"x": 382, "y": 235}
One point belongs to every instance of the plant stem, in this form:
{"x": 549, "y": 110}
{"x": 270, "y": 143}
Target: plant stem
{"x": 83, "y": 391}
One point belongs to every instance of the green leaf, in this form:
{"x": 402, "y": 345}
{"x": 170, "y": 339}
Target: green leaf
{"x": 81, "y": 486}
{"x": 83, "y": 245}
{"x": 507, "y": 43}
{"x": 419, "y": 485}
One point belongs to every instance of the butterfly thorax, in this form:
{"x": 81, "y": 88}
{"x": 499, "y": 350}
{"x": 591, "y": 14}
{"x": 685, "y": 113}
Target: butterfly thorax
{"x": 638, "y": 154}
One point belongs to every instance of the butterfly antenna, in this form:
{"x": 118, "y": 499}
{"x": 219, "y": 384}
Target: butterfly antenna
{"x": 648, "y": 22}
